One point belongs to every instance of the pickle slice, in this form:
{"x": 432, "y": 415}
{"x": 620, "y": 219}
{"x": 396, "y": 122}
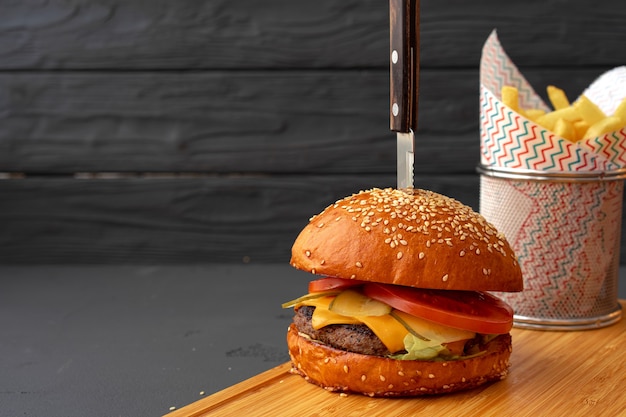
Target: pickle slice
{"x": 306, "y": 297}
{"x": 408, "y": 327}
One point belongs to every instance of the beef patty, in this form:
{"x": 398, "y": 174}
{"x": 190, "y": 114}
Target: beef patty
{"x": 351, "y": 337}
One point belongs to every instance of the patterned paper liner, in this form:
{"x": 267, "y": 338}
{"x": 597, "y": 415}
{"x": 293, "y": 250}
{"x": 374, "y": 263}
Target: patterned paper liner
{"x": 510, "y": 140}
{"x": 565, "y": 233}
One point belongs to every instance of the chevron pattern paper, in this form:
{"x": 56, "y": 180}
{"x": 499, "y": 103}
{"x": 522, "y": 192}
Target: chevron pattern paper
{"x": 509, "y": 140}
{"x": 565, "y": 234}
{"x": 608, "y": 90}
{"x": 497, "y": 70}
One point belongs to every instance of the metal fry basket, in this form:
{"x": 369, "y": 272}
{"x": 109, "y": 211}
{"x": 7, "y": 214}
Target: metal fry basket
{"x": 565, "y": 229}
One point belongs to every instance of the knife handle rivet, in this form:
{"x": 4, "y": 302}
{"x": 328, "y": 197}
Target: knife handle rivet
{"x": 395, "y": 109}
{"x": 394, "y": 56}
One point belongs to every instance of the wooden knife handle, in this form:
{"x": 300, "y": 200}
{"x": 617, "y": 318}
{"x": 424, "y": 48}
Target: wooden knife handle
{"x": 403, "y": 63}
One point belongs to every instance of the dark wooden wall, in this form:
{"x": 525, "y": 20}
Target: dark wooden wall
{"x": 210, "y": 131}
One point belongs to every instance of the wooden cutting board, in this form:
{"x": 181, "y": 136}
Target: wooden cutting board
{"x": 577, "y": 373}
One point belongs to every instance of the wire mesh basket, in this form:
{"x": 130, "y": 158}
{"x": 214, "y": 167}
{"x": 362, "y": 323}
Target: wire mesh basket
{"x": 565, "y": 229}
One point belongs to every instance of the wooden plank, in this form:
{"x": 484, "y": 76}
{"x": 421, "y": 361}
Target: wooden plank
{"x": 173, "y": 220}
{"x": 133, "y": 34}
{"x": 270, "y": 121}
{"x": 202, "y": 219}
{"x": 552, "y": 373}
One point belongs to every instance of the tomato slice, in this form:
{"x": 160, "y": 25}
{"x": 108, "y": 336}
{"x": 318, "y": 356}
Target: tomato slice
{"x": 469, "y": 310}
{"x": 332, "y": 283}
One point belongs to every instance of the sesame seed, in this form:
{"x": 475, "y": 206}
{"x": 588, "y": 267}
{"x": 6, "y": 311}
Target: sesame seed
{"x": 363, "y": 377}
{"x": 400, "y": 373}
{"x": 345, "y": 368}
{"x": 445, "y": 277}
{"x": 308, "y": 253}
{"x": 399, "y": 255}
{"x": 382, "y": 378}
{"x": 322, "y": 262}
{"x": 352, "y": 276}
{"x": 431, "y": 376}
{"x": 390, "y": 386}
{"x": 359, "y": 265}
{"x": 462, "y": 253}
{"x": 437, "y": 217}
{"x": 421, "y": 255}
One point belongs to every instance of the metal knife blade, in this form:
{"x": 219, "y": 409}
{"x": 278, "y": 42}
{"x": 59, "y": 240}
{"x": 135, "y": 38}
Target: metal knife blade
{"x": 404, "y": 75}
{"x": 406, "y": 159}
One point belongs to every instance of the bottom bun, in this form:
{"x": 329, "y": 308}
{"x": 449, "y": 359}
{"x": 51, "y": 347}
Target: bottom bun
{"x": 376, "y": 376}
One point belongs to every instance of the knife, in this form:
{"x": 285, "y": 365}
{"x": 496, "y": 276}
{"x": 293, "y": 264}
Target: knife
{"x": 403, "y": 81}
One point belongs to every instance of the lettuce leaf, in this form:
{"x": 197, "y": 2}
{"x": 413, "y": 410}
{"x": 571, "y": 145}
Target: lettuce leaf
{"x": 419, "y": 349}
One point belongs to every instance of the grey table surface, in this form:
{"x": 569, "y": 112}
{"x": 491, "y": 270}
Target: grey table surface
{"x": 139, "y": 340}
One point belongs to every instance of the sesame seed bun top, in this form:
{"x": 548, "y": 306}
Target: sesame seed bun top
{"x": 415, "y": 238}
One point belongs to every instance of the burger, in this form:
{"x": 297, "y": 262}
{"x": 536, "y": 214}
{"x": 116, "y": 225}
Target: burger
{"x": 402, "y": 305}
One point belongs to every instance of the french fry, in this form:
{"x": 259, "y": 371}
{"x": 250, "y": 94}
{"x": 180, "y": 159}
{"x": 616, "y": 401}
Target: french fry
{"x": 620, "y": 111}
{"x": 548, "y": 120}
{"x": 534, "y": 114}
{"x": 581, "y": 128}
{"x": 588, "y": 111}
{"x": 604, "y": 126}
{"x": 582, "y": 119}
{"x": 565, "y": 129}
{"x": 557, "y": 97}
{"x": 510, "y": 97}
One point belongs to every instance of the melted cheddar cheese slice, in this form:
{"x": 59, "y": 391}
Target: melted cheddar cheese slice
{"x": 388, "y": 329}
